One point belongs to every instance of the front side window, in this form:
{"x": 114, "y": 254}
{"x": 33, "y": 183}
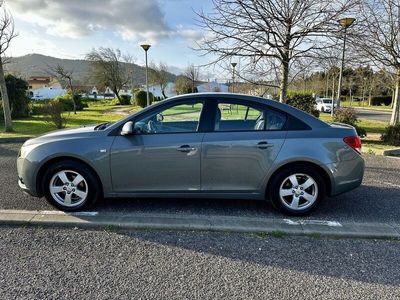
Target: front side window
{"x": 240, "y": 117}
{"x": 174, "y": 119}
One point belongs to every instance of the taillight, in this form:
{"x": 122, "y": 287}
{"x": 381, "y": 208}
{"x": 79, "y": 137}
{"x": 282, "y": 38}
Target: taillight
{"x": 354, "y": 142}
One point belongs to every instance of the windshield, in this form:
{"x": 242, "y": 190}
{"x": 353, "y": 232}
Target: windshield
{"x": 328, "y": 101}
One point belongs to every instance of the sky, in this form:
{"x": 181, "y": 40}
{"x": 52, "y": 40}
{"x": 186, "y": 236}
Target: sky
{"x": 71, "y": 28}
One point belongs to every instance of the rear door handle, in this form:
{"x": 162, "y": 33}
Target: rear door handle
{"x": 186, "y": 148}
{"x": 264, "y": 145}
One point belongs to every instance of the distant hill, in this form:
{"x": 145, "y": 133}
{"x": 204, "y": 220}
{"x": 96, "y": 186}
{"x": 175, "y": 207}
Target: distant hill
{"x": 38, "y": 65}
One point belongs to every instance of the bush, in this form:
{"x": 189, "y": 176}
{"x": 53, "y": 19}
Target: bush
{"x": 141, "y": 98}
{"x": 53, "y": 112}
{"x": 67, "y": 103}
{"x": 346, "y": 116}
{"x": 19, "y": 102}
{"x": 303, "y": 102}
{"x": 381, "y": 100}
{"x": 125, "y": 100}
{"x": 349, "y": 116}
{"x": 391, "y": 135}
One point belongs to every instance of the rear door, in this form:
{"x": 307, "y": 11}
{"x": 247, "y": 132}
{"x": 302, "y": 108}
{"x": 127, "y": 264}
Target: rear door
{"x": 241, "y": 147}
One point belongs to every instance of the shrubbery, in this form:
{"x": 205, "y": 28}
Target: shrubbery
{"x": 141, "y": 98}
{"x": 391, "y": 135}
{"x": 345, "y": 115}
{"x": 303, "y": 102}
{"x": 125, "y": 100}
{"x": 381, "y": 100}
{"x": 67, "y": 103}
{"x": 349, "y": 116}
{"x": 19, "y": 102}
{"x": 53, "y": 112}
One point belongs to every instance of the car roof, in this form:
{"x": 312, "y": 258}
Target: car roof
{"x": 305, "y": 117}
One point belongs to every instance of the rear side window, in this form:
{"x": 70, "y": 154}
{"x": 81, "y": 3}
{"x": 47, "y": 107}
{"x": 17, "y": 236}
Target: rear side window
{"x": 241, "y": 117}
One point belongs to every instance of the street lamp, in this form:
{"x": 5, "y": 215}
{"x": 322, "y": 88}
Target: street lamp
{"x": 345, "y": 23}
{"x": 233, "y": 76}
{"x": 146, "y": 47}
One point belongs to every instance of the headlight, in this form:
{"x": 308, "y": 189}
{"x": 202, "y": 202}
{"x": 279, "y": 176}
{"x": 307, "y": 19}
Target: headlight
{"x": 26, "y": 149}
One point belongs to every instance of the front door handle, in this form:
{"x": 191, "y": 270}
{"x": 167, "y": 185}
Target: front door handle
{"x": 264, "y": 145}
{"x": 186, "y": 148}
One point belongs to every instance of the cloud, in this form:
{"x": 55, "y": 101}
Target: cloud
{"x": 131, "y": 19}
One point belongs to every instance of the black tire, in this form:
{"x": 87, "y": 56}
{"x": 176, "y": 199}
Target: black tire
{"x": 280, "y": 179}
{"x": 90, "y": 184}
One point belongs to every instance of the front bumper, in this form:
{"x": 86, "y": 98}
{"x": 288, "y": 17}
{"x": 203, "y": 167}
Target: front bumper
{"x": 27, "y": 177}
{"x": 24, "y": 188}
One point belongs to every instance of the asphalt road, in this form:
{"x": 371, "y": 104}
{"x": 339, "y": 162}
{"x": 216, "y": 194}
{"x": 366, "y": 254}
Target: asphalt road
{"x": 374, "y": 115}
{"x": 73, "y": 264}
{"x": 377, "y": 200}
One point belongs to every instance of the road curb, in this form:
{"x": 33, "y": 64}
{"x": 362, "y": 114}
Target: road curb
{"x": 392, "y": 153}
{"x": 15, "y": 139}
{"x": 297, "y": 226}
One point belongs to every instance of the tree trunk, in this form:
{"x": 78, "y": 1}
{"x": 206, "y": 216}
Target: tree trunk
{"x": 73, "y": 94}
{"x": 163, "y": 93}
{"x": 396, "y": 105}
{"x": 284, "y": 80}
{"x": 117, "y": 95}
{"x": 6, "y": 103}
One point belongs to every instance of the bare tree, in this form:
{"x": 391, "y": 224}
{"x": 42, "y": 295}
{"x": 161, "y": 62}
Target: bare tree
{"x": 278, "y": 30}
{"x": 379, "y": 40}
{"x": 65, "y": 77}
{"x": 7, "y": 33}
{"x": 182, "y": 85}
{"x": 192, "y": 72}
{"x": 159, "y": 76}
{"x": 111, "y": 68}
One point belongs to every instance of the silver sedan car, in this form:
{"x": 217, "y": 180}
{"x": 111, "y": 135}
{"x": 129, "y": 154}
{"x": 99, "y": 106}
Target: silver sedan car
{"x": 199, "y": 145}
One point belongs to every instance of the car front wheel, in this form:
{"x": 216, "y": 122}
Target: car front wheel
{"x": 70, "y": 186}
{"x": 297, "y": 190}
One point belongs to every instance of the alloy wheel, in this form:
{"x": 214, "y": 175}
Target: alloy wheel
{"x": 68, "y": 188}
{"x": 298, "y": 191}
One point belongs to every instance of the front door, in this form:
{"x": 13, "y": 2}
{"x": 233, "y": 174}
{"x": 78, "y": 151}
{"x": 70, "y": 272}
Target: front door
{"x": 163, "y": 155}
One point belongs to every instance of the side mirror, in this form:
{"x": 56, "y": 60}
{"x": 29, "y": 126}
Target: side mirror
{"x": 127, "y": 129}
{"x": 160, "y": 118}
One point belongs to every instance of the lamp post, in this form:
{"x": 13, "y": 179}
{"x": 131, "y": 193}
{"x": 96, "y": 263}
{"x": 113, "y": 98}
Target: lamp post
{"x": 233, "y": 76}
{"x": 146, "y": 47}
{"x": 345, "y": 23}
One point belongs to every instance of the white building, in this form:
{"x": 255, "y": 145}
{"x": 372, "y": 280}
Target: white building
{"x": 156, "y": 90}
{"x": 212, "y": 86}
{"x": 47, "y": 93}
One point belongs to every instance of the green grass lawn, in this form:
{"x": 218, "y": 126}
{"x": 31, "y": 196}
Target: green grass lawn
{"x": 105, "y": 111}
{"x": 358, "y": 104}
{"x": 372, "y": 143}
{"x": 96, "y": 113}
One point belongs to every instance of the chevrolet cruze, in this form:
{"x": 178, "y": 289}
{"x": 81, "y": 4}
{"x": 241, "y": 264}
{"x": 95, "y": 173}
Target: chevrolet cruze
{"x": 199, "y": 145}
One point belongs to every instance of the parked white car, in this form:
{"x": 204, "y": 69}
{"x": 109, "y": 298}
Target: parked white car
{"x": 324, "y": 104}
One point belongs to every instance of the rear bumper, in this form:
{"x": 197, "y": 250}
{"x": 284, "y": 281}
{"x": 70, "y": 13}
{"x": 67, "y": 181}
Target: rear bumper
{"x": 347, "y": 175}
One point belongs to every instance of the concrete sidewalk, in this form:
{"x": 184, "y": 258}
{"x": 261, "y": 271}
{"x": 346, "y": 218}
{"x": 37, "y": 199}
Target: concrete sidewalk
{"x": 291, "y": 226}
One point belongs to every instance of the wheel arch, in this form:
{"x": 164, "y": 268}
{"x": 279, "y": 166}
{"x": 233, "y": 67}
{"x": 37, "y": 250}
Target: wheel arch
{"x": 324, "y": 174}
{"x": 53, "y": 160}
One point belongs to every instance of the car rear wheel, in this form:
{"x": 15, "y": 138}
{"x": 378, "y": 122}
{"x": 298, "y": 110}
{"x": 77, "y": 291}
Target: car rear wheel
{"x": 70, "y": 186}
{"x": 297, "y": 190}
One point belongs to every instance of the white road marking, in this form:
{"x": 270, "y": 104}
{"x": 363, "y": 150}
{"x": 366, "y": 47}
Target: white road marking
{"x": 50, "y": 212}
{"x": 313, "y": 222}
